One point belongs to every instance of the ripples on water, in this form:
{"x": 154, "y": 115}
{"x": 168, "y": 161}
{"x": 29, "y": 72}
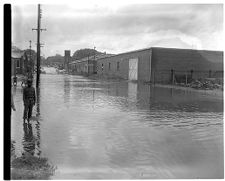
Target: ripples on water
{"x": 101, "y": 129}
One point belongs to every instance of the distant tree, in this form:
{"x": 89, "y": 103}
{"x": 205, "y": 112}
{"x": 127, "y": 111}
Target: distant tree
{"x": 33, "y": 54}
{"x": 58, "y": 55}
{"x": 57, "y": 59}
{"x": 82, "y": 53}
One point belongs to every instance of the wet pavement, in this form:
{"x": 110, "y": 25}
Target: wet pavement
{"x": 92, "y": 129}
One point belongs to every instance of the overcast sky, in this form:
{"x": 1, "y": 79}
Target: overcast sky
{"x": 119, "y": 28}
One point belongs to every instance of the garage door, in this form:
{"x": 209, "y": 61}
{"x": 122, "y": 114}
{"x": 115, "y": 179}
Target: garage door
{"x": 133, "y": 69}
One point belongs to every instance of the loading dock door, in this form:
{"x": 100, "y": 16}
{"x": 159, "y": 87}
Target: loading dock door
{"x": 133, "y": 69}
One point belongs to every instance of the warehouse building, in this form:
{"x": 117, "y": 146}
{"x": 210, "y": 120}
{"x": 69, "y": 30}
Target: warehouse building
{"x": 83, "y": 66}
{"x": 86, "y": 66}
{"x": 162, "y": 65}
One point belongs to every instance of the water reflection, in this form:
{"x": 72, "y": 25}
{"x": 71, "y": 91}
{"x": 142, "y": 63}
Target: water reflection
{"x": 66, "y": 89}
{"x": 28, "y": 139}
{"x": 156, "y": 98}
{"x": 14, "y": 90}
{"x": 93, "y": 96}
{"x": 38, "y": 101}
{"x": 127, "y": 130}
{"x": 132, "y": 91}
{"x": 37, "y": 125}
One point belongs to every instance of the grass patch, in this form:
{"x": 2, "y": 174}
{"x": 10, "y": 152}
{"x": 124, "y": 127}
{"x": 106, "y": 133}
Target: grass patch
{"x": 29, "y": 167}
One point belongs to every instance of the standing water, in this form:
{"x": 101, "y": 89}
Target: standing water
{"x": 93, "y": 129}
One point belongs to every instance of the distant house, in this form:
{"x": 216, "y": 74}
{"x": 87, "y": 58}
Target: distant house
{"x": 18, "y": 62}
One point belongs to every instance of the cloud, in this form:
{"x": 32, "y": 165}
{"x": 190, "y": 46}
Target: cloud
{"x": 122, "y": 28}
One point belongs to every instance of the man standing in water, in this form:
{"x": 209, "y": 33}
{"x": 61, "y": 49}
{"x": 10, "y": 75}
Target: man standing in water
{"x": 29, "y": 99}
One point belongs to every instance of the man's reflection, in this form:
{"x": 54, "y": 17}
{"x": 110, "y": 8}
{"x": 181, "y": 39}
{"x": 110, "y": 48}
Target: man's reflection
{"x": 28, "y": 139}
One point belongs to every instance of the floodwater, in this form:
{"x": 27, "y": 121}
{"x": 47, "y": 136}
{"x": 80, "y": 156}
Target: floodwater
{"x": 92, "y": 129}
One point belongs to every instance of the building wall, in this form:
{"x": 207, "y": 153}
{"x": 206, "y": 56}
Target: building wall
{"x": 112, "y": 71}
{"x": 144, "y": 63}
{"x": 82, "y": 67}
{"x": 182, "y": 61}
{"x": 155, "y": 64}
{"x": 13, "y": 66}
{"x": 94, "y": 66}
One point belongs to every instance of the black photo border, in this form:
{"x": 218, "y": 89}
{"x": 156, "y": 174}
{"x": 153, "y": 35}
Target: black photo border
{"x": 7, "y": 90}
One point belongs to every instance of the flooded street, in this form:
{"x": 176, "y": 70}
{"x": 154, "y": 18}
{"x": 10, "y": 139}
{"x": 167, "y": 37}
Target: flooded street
{"x": 92, "y": 129}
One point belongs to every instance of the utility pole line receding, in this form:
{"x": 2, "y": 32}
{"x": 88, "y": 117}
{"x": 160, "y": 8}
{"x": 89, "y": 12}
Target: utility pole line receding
{"x": 38, "y": 44}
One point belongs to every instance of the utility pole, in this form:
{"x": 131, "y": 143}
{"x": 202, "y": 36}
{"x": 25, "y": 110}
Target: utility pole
{"x": 38, "y": 29}
{"x": 30, "y": 61}
{"x": 94, "y": 63}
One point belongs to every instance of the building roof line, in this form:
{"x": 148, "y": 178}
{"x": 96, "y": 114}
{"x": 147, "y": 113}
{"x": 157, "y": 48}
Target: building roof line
{"x": 133, "y": 51}
{"x": 90, "y": 58}
{"x": 149, "y": 48}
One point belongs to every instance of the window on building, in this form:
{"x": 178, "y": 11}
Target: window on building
{"x": 102, "y": 67}
{"x": 118, "y": 65}
{"x": 109, "y": 66}
{"x": 18, "y": 63}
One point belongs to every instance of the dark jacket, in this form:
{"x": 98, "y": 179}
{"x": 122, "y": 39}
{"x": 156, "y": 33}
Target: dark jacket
{"x": 29, "y": 95}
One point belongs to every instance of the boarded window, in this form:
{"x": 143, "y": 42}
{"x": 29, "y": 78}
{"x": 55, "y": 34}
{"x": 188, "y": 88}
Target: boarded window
{"x": 118, "y": 65}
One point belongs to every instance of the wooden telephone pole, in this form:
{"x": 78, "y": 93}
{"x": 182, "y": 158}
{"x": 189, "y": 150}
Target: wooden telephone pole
{"x": 38, "y": 29}
{"x": 30, "y": 60}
